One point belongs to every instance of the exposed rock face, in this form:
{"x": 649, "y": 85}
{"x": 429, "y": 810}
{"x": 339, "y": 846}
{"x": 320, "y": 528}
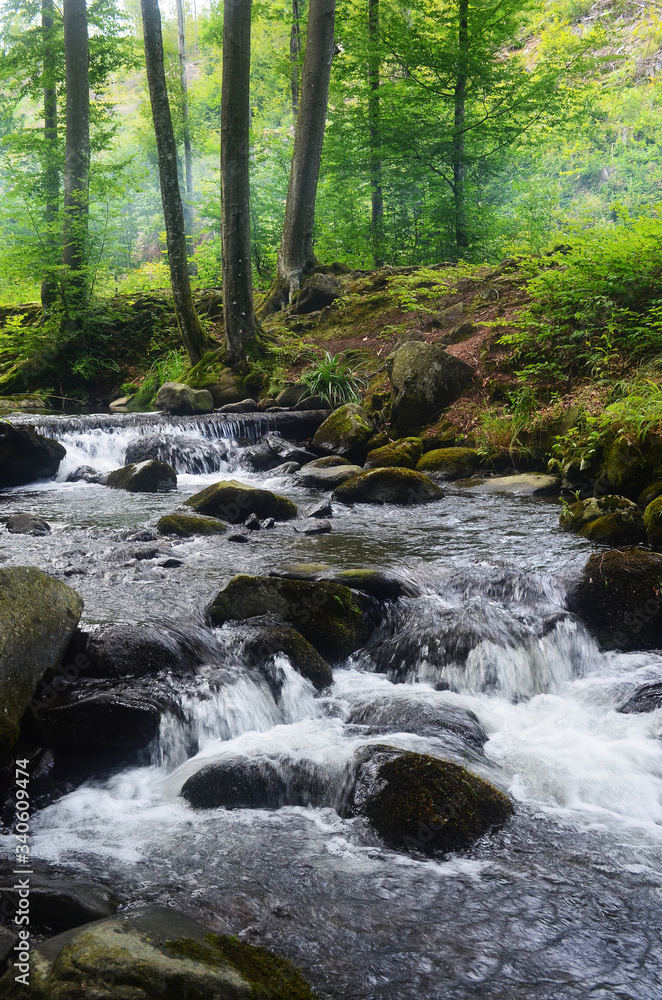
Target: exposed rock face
{"x": 403, "y": 487}
{"x": 610, "y": 519}
{"x": 345, "y": 432}
{"x": 424, "y": 380}
{"x": 334, "y": 619}
{"x": 451, "y": 463}
{"x": 28, "y": 524}
{"x": 38, "y": 616}
{"x": 233, "y": 501}
{"x": 26, "y": 456}
{"x": 187, "y": 525}
{"x": 154, "y": 954}
{"x": 57, "y": 905}
{"x": 243, "y": 406}
{"x": 402, "y": 454}
{"x": 618, "y": 598}
{"x": 145, "y": 477}
{"x": 320, "y": 290}
{"x": 419, "y": 804}
{"x": 177, "y": 398}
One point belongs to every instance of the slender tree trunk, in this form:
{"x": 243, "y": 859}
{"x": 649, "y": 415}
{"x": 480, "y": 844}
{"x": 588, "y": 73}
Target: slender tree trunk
{"x": 296, "y": 256}
{"x": 461, "y": 233}
{"x": 51, "y": 172}
{"x": 77, "y": 154}
{"x": 188, "y": 152}
{"x": 374, "y": 129}
{"x": 235, "y": 195}
{"x": 191, "y": 329}
{"x": 295, "y": 55}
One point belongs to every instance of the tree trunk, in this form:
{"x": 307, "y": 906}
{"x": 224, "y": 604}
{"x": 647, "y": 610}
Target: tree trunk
{"x": 295, "y": 55}
{"x": 461, "y": 234}
{"x": 296, "y": 256}
{"x": 374, "y": 130}
{"x": 77, "y": 154}
{"x": 188, "y": 153}
{"x": 193, "y": 335}
{"x": 235, "y": 196}
{"x": 51, "y": 173}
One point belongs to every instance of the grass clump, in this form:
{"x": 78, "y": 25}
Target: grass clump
{"x": 334, "y": 379}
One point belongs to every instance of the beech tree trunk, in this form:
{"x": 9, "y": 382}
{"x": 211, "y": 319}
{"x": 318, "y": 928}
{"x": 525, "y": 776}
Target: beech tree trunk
{"x": 51, "y": 173}
{"x": 77, "y": 155}
{"x": 295, "y": 55}
{"x": 296, "y": 256}
{"x": 461, "y": 233}
{"x": 188, "y": 152}
{"x": 374, "y": 130}
{"x": 238, "y": 308}
{"x": 193, "y": 335}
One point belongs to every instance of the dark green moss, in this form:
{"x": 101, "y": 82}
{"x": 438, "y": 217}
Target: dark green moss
{"x": 432, "y": 806}
{"x": 614, "y": 529}
{"x": 402, "y": 454}
{"x": 185, "y": 525}
{"x": 402, "y": 487}
{"x": 453, "y": 463}
{"x": 233, "y": 501}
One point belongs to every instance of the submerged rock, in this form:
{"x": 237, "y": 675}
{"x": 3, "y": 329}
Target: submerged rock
{"x": 618, "y": 598}
{"x": 459, "y": 727}
{"x": 28, "y": 524}
{"x": 38, "y": 616}
{"x": 233, "y": 501}
{"x": 401, "y": 454}
{"x": 26, "y": 456}
{"x": 402, "y": 487}
{"x": 186, "y": 525}
{"x": 609, "y": 519}
{"x": 154, "y": 954}
{"x": 145, "y": 477}
{"x": 177, "y": 398}
{"x": 345, "y": 432}
{"x": 334, "y": 619}
{"x": 254, "y": 783}
{"x": 417, "y": 803}
{"x": 451, "y": 463}
{"x": 425, "y": 379}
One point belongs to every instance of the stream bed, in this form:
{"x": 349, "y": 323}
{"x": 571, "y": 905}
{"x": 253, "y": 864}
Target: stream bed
{"x": 564, "y": 902}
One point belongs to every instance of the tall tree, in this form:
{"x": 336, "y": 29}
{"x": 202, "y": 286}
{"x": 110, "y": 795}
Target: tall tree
{"x": 374, "y": 129}
{"x": 295, "y": 56}
{"x": 238, "y": 308}
{"x": 77, "y": 154}
{"x": 460, "y": 98}
{"x": 193, "y": 335}
{"x": 296, "y": 256}
{"x": 51, "y": 168}
{"x": 188, "y": 152}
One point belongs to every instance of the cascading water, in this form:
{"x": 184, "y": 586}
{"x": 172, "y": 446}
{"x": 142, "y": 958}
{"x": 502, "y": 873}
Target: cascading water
{"x": 485, "y": 668}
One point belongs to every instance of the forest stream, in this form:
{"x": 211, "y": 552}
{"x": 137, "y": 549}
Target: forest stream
{"x": 565, "y": 901}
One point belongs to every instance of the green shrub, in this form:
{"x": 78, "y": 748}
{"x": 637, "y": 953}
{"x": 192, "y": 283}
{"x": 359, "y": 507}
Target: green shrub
{"x": 334, "y": 380}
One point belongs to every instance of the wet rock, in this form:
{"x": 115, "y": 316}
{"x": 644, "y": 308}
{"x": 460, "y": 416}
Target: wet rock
{"x": 627, "y": 468}
{"x": 252, "y": 523}
{"x": 188, "y": 525}
{"x": 233, "y": 501}
{"x": 292, "y": 394}
{"x": 611, "y": 520}
{"x": 243, "y": 406}
{"x": 652, "y": 523}
{"x": 268, "y": 523}
{"x": 238, "y": 536}
{"x": 154, "y": 954}
{"x": 184, "y": 454}
{"x": 321, "y": 509}
{"x": 345, "y": 432}
{"x": 140, "y": 650}
{"x": 28, "y": 524}
{"x": 402, "y": 487}
{"x": 402, "y": 454}
{"x": 100, "y": 721}
{"x": 7, "y": 941}
{"x": 328, "y": 478}
{"x": 451, "y": 463}
{"x": 287, "y": 451}
{"x": 26, "y": 456}
{"x": 647, "y": 699}
{"x": 379, "y": 583}
{"x": 177, "y": 398}
{"x": 260, "y": 457}
{"x": 419, "y": 804}
{"x": 86, "y": 474}
{"x": 171, "y": 563}
{"x": 618, "y": 598}
{"x": 286, "y": 469}
{"x": 319, "y": 291}
{"x": 334, "y": 619}
{"x": 147, "y": 535}
{"x": 145, "y": 477}
{"x": 327, "y": 462}
{"x": 262, "y": 642}
{"x": 458, "y": 727}
{"x": 311, "y": 403}
{"x": 38, "y": 616}
{"x": 313, "y": 526}
{"x": 253, "y": 783}
{"x": 58, "y": 904}
{"x": 266, "y": 403}
{"x": 425, "y": 379}
{"x": 521, "y": 484}
{"x": 650, "y": 493}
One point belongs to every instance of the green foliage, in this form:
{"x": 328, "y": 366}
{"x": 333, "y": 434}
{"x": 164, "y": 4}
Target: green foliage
{"x": 170, "y": 368}
{"x": 334, "y": 379}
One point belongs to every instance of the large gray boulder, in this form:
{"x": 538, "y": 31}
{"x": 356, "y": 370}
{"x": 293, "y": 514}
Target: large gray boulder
{"x": 153, "y": 954}
{"x": 424, "y": 380}
{"x": 38, "y": 616}
{"x": 319, "y": 291}
{"x": 175, "y": 397}
{"x": 345, "y": 432}
{"x": 317, "y": 478}
{"x": 143, "y": 477}
{"x": 26, "y": 456}
{"x": 233, "y": 501}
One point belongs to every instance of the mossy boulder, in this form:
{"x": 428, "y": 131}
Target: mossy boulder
{"x": 401, "y": 454}
{"x": 143, "y": 477}
{"x": 156, "y": 954}
{"x": 385, "y": 585}
{"x": 611, "y": 520}
{"x": 650, "y": 493}
{"x": 177, "y": 398}
{"x": 261, "y": 642}
{"x": 327, "y": 462}
{"x": 403, "y": 487}
{"x": 312, "y": 476}
{"x": 233, "y": 501}
{"x": 38, "y": 616}
{"x": 653, "y": 523}
{"x": 26, "y": 456}
{"x": 419, "y": 804}
{"x": 618, "y": 598}
{"x": 451, "y": 463}
{"x": 424, "y": 379}
{"x": 187, "y": 525}
{"x": 334, "y": 619}
{"x": 212, "y": 373}
{"x": 628, "y": 468}
{"x": 345, "y": 432}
